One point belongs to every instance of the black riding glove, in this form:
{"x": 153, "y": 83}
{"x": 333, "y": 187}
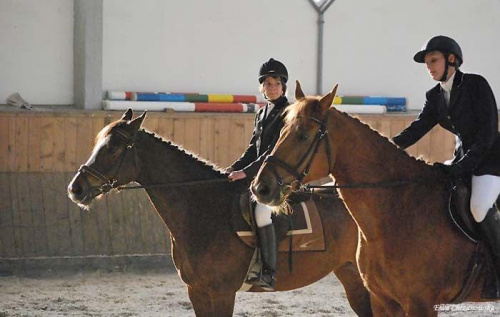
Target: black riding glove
{"x": 451, "y": 171}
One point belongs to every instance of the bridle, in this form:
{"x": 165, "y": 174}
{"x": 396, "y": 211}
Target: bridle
{"x": 109, "y": 183}
{"x": 311, "y": 152}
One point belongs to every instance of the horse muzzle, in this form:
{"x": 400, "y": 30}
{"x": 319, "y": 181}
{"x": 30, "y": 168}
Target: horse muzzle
{"x": 81, "y": 192}
{"x": 268, "y": 193}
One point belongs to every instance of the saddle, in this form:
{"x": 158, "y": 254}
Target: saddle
{"x": 481, "y": 262}
{"x": 460, "y": 213}
{"x": 299, "y": 230}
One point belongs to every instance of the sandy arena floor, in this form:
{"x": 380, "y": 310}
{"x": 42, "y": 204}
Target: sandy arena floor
{"x": 163, "y": 294}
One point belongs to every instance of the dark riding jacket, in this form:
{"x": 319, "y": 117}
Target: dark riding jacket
{"x": 265, "y": 135}
{"x": 472, "y": 116}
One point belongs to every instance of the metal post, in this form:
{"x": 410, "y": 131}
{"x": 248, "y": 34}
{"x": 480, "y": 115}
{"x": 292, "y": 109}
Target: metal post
{"x": 321, "y": 9}
{"x": 319, "y": 72}
{"x": 87, "y": 56}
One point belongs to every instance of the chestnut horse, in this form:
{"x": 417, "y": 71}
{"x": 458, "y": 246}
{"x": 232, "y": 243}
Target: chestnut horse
{"x": 410, "y": 255}
{"x": 197, "y": 207}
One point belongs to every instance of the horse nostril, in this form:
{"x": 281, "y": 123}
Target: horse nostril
{"x": 263, "y": 190}
{"x": 75, "y": 189}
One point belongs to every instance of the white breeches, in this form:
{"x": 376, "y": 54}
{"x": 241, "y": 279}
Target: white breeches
{"x": 263, "y": 215}
{"x": 485, "y": 191}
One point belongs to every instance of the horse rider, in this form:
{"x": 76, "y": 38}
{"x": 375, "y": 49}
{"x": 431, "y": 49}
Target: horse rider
{"x": 463, "y": 104}
{"x": 273, "y": 76}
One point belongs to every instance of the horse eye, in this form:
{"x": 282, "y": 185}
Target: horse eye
{"x": 303, "y": 136}
{"x": 112, "y": 149}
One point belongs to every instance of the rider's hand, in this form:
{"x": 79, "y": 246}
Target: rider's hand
{"x": 236, "y": 175}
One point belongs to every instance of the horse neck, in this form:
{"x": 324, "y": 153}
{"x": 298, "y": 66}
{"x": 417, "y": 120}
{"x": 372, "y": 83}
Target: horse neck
{"x": 161, "y": 162}
{"x": 189, "y": 211}
{"x": 362, "y": 155}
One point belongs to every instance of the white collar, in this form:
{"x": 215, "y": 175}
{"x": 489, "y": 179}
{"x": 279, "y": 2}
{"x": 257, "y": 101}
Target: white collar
{"x": 446, "y": 86}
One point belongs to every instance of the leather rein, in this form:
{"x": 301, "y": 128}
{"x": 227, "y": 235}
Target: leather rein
{"x": 311, "y": 152}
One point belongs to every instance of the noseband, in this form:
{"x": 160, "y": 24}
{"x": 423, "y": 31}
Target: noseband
{"x": 110, "y": 183}
{"x": 311, "y": 152}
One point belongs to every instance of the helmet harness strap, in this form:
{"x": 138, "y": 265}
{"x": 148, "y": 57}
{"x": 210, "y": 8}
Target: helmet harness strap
{"x": 447, "y": 64}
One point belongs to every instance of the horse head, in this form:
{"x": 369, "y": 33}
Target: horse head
{"x": 303, "y": 140}
{"x": 112, "y": 162}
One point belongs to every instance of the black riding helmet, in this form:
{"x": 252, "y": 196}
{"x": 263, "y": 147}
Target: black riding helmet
{"x": 444, "y": 44}
{"x": 273, "y": 68}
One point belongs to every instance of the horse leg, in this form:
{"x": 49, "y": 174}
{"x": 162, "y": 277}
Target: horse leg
{"x": 357, "y": 294}
{"x": 419, "y": 308}
{"x": 208, "y": 303}
{"x": 385, "y": 306}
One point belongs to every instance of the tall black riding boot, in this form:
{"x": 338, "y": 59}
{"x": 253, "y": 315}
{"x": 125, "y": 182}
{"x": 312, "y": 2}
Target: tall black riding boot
{"x": 269, "y": 253}
{"x": 490, "y": 228}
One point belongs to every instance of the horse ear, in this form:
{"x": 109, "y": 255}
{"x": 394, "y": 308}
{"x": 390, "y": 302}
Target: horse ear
{"x": 127, "y": 116}
{"x": 299, "y": 94}
{"x": 136, "y": 123}
{"x": 327, "y": 100}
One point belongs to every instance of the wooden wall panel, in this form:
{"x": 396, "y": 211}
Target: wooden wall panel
{"x": 437, "y": 137}
{"x": 222, "y": 142}
{"x": 61, "y": 211}
{"x": 41, "y": 152}
{"x": 70, "y": 144}
{"x": 6, "y": 221}
{"x": 151, "y": 124}
{"x": 249, "y": 126}
{"x": 59, "y": 160}
{"x": 424, "y": 147}
{"x": 145, "y": 215}
{"x": 4, "y": 144}
{"x": 192, "y": 135}
{"x": 237, "y": 143}
{"x": 21, "y": 139}
{"x": 166, "y": 128}
{"x": 179, "y": 135}
{"x": 207, "y": 139}
{"x": 34, "y": 144}
{"x": 75, "y": 222}
{"x": 16, "y": 215}
{"x": 11, "y": 141}
{"x": 56, "y": 214}
{"x": 117, "y": 224}
{"x": 93, "y": 233}
{"x": 103, "y": 229}
{"x": 133, "y": 225}
{"x": 85, "y": 139}
{"x": 384, "y": 127}
{"x": 38, "y": 214}
{"x": 25, "y": 216}
{"x": 48, "y": 138}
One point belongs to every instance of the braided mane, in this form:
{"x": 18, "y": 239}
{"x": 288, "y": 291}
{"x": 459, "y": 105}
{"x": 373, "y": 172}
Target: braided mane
{"x": 205, "y": 164}
{"x": 310, "y": 107}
